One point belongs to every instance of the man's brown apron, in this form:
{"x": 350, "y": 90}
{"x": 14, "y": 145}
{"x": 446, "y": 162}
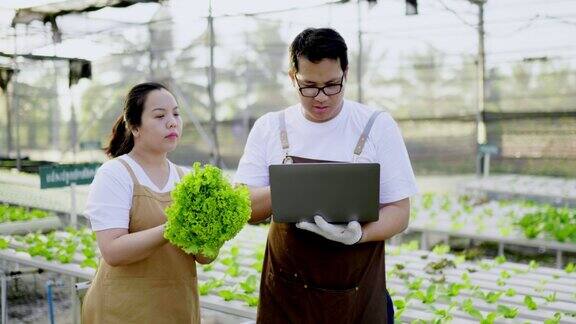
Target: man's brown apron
{"x": 159, "y": 289}
{"x": 309, "y": 279}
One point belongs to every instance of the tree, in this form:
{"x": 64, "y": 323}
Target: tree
{"x": 259, "y": 77}
{"x": 423, "y": 85}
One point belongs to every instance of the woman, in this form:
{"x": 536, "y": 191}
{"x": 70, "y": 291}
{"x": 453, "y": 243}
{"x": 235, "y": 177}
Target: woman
{"x": 141, "y": 278}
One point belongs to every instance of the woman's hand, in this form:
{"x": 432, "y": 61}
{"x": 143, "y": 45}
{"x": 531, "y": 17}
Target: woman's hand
{"x": 202, "y": 259}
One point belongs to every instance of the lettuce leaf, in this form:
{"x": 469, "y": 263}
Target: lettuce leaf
{"x": 206, "y": 211}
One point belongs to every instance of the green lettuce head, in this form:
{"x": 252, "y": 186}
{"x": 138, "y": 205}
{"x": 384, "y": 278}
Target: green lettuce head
{"x": 206, "y": 211}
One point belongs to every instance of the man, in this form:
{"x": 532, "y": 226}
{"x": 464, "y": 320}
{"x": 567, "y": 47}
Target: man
{"x": 319, "y": 272}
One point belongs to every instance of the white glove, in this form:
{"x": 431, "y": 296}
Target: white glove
{"x": 345, "y": 234}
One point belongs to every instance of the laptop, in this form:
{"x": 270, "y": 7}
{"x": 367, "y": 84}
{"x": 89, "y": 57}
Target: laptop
{"x": 339, "y": 192}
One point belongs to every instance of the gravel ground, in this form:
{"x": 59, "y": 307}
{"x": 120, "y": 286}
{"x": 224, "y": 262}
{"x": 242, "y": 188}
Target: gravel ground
{"x": 28, "y": 302}
{"x": 27, "y": 298}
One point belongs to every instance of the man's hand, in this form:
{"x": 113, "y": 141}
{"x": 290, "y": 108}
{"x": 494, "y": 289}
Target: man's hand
{"x": 345, "y": 234}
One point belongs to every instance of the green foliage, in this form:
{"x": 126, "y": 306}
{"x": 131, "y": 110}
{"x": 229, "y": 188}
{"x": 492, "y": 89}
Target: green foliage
{"x": 554, "y": 320}
{"x": 489, "y": 319}
{"x": 19, "y": 214}
{"x": 453, "y": 289}
{"x": 89, "y": 263}
{"x": 439, "y": 266}
{"x": 405, "y": 247}
{"x": 205, "y": 287}
{"x": 492, "y": 297}
{"x": 259, "y": 254}
{"x": 551, "y": 297}
{"x": 3, "y": 243}
{"x": 226, "y": 294}
{"x": 504, "y": 274}
{"x": 510, "y": 292}
{"x": 507, "y": 312}
{"x": 441, "y": 249}
{"x": 444, "y": 314}
{"x": 250, "y": 284}
{"x": 206, "y": 211}
{"x": 427, "y": 297}
{"x": 530, "y": 303}
{"x": 415, "y": 284}
{"x": 233, "y": 270}
{"x": 427, "y": 200}
{"x": 251, "y": 300}
{"x": 469, "y": 308}
{"x": 500, "y": 259}
{"x": 257, "y": 266}
{"x": 553, "y": 222}
{"x": 64, "y": 247}
{"x": 400, "y": 305}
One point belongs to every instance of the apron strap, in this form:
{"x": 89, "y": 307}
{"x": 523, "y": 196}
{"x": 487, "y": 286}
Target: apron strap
{"x": 284, "y": 137}
{"x": 132, "y": 175}
{"x": 364, "y": 136}
{"x": 180, "y": 172}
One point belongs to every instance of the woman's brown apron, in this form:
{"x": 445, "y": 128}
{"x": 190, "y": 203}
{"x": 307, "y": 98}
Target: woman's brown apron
{"x": 159, "y": 289}
{"x": 309, "y": 279}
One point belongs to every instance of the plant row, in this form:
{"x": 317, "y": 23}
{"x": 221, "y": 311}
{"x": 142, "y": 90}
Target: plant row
{"x": 523, "y": 219}
{"x": 18, "y": 214}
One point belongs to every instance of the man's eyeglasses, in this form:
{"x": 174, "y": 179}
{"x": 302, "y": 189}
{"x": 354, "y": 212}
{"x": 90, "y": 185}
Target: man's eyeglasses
{"x": 312, "y": 92}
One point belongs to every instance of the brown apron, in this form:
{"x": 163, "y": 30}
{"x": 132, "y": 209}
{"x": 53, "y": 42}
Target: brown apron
{"x": 159, "y": 289}
{"x": 309, "y": 279}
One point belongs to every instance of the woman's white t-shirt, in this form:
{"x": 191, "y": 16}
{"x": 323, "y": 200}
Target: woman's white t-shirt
{"x": 333, "y": 140}
{"x": 110, "y": 197}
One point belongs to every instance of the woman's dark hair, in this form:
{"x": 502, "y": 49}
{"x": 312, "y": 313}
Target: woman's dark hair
{"x": 316, "y": 44}
{"x": 121, "y": 140}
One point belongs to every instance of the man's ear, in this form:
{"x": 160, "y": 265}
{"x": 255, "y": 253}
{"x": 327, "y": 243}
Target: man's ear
{"x": 292, "y": 76}
{"x": 346, "y": 74}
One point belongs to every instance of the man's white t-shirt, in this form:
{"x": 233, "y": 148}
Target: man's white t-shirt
{"x": 110, "y": 197}
{"x": 333, "y": 140}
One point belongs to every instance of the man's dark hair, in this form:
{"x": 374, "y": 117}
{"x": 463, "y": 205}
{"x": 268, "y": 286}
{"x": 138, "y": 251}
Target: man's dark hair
{"x": 316, "y": 44}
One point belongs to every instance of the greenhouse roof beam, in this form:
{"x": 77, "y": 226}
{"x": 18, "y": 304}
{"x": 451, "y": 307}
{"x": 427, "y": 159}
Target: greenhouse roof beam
{"x": 48, "y": 12}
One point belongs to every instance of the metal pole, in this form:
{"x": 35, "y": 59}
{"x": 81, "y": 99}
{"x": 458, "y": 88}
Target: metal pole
{"x": 49, "y": 284}
{"x": 359, "y": 63}
{"x": 15, "y": 111}
{"x": 9, "y": 144}
{"x": 486, "y": 166}
{"x": 481, "y": 69}
{"x": 151, "y": 69}
{"x": 73, "y": 124}
{"x": 4, "y": 300}
{"x": 73, "y": 216}
{"x": 559, "y": 261}
{"x": 216, "y": 159}
{"x": 55, "y": 111}
{"x": 75, "y": 304}
{"x": 248, "y": 89}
